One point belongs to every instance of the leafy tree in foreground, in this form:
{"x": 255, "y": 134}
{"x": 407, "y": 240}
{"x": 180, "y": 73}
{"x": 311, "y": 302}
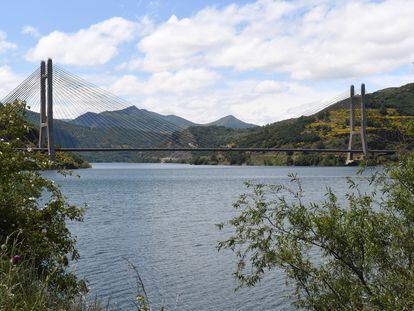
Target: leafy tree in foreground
{"x": 33, "y": 213}
{"x": 353, "y": 256}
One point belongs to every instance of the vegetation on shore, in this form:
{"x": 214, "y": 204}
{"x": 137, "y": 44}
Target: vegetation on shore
{"x": 36, "y": 246}
{"x": 71, "y": 161}
{"x": 356, "y": 255}
{"x": 33, "y": 224}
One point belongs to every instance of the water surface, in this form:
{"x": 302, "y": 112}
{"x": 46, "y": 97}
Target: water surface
{"x": 162, "y": 218}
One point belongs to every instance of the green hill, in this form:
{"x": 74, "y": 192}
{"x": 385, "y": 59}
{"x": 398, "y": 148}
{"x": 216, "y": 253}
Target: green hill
{"x": 400, "y": 98}
{"x": 388, "y": 113}
{"x": 75, "y": 136}
{"x": 130, "y": 118}
{"x": 231, "y": 122}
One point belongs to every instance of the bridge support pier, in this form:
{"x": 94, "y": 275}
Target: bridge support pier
{"x": 46, "y": 108}
{"x": 363, "y": 122}
{"x": 362, "y": 132}
{"x": 50, "y": 138}
{"x": 43, "y": 120}
{"x": 350, "y": 157}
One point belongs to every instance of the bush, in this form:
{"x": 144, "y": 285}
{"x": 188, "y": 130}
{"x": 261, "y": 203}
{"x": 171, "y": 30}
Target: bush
{"x": 33, "y": 210}
{"x": 22, "y": 287}
{"x": 366, "y": 247}
{"x": 306, "y": 159}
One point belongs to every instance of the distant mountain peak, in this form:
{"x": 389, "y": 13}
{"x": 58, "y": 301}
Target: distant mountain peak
{"x": 112, "y": 118}
{"x": 230, "y": 117}
{"x": 131, "y": 110}
{"x": 88, "y": 114}
{"x": 231, "y": 121}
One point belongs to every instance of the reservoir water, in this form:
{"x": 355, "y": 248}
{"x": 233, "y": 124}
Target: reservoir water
{"x": 161, "y": 217}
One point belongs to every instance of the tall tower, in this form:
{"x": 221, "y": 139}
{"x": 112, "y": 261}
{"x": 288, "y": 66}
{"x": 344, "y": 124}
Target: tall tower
{"x": 362, "y": 132}
{"x": 46, "y": 108}
{"x": 43, "y": 119}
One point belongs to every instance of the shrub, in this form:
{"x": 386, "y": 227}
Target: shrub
{"x": 33, "y": 210}
{"x": 365, "y": 248}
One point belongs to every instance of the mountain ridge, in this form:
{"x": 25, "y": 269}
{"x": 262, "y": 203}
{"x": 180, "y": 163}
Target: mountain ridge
{"x": 135, "y": 114}
{"x": 231, "y": 121}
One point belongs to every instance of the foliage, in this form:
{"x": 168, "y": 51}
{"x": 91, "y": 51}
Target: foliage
{"x": 238, "y": 158}
{"x": 231, "y": 122}
{"x": 204, "y": 160}
{"x": 212, "y": 136}
{"x": 400, "y": 98}
{"x": 358, "y": 256}
{"x": 331, "y": 130}
{"x": 33, "y": 210}
{"x": 70, "y": 161}
{"x": 22, "y": 287}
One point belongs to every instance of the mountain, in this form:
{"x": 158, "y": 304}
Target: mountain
{"x": 128, "y": 118}
{"x": 92, "y": 119}
{"x": 76, "y": 134}
{"x": 133, "y": 117}
{"x": 231, "y": 122}
{"x": 178, "y": 120}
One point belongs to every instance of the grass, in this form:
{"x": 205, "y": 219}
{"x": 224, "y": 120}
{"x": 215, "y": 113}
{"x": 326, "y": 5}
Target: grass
{"x": 23, "y": 288}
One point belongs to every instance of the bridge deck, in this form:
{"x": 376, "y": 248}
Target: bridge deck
{"x": 220, "y": 149}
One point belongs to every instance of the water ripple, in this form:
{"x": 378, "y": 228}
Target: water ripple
{"x": 161, "y": 218}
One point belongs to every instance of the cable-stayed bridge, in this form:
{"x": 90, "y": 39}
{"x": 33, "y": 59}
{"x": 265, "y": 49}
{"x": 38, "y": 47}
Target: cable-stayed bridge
{"x": 75, "y": 115}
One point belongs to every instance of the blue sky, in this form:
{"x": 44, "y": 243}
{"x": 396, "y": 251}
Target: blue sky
{"x": 261, "y": 61}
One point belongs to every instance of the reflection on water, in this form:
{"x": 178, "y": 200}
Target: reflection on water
{"x": 161, "y": 217}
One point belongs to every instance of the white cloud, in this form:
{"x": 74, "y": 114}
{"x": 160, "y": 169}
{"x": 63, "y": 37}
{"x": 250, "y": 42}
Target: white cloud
{"x": 262, "y": 61}
{"x": 187, "y": 80}
{"x": 145, "y": 26}
{"x": 384, "y": 81}
{"x": 8, "y": 81}
{"x": 250, "y": 100}
{"x": 180, "y": 42}
{"x": 30, "y": 30}
{"x": 270, "y": 86}
{"x": 4, "y": 44}
{"x": 95, "y": 45}
{"x": 305, "y": 39}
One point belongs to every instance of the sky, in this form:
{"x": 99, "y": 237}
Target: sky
{"x": 261, "y": 61}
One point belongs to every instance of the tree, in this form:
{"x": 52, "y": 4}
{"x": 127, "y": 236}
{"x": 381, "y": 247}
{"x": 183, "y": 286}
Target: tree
{"x": 365, "y": 250}
{"x": 33, "y": 210}
{"x": 383, "y": 109}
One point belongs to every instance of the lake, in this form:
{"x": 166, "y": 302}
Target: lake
{"x": 161, "y": 217}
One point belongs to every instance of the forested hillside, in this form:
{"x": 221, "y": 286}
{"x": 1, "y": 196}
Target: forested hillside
{"x": 390, "y": 112}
